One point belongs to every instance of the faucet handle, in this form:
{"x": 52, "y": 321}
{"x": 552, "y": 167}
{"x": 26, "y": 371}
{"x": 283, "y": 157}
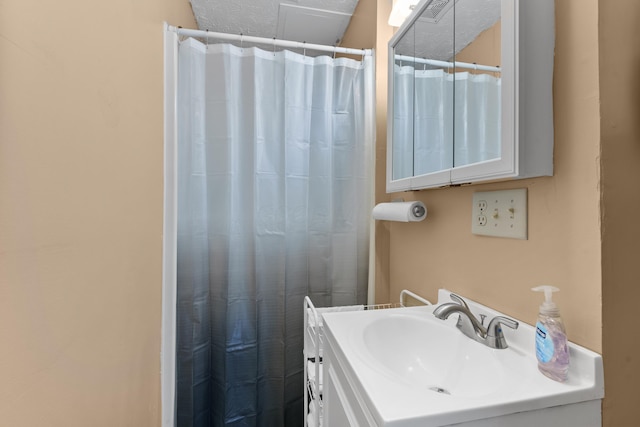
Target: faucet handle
{"x": 495, "y": 337}
{"x": 494, "y": 326}
{"x": 513, "y": 324}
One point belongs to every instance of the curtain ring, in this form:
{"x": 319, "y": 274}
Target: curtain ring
{"x": 274, "y": 46}
{"x": 334, "y": 51}
{"x": 363, "y": 52}
{"x": 206, "y": 39}
{"x": 304, "y": 49}
{"x": 241, "y": 41}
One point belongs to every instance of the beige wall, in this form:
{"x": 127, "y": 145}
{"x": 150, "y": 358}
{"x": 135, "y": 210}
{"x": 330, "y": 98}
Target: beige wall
{"x": 382, "y": 235}
{"x": 620, "y": 133}
{"x": 362, "y": 33}
{"x": 81, "y": 148}
{"x": 485, "y": 49}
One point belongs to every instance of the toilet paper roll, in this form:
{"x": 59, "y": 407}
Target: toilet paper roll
{"x": 400, "y": 211}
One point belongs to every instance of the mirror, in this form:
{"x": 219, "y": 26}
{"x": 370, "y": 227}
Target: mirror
{"x": 445, "y": 90}
{"x": 477, "y": 104}
{"x": 403, "y": 114}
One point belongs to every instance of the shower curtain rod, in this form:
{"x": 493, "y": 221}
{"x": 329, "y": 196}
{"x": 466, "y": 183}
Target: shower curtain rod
{"x": 271, "y": 42}
{"x": 439, "y": 63}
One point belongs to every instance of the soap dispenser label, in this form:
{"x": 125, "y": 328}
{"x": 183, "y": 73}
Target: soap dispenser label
{"x": 544, "y": 344}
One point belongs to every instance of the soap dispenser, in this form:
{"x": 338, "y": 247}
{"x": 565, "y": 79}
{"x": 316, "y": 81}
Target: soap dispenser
{"x": 552, "y": 350}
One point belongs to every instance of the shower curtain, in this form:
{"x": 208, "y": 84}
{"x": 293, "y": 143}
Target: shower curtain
{"x": 438, "y": 126}
{"x": 275, "y": 194}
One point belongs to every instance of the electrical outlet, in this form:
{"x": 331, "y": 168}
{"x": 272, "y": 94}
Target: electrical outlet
{"x": 500, "y": 213}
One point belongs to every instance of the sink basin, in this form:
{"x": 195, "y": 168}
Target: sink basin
{"x": 424, "y": 352}
{"x": 410, "y": 369}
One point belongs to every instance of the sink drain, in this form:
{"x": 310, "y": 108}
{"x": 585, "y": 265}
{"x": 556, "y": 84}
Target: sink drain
{"x": 439, "y": 390}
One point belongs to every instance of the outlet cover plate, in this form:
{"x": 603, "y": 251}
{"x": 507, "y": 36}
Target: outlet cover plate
{"x": 500, "y": 213}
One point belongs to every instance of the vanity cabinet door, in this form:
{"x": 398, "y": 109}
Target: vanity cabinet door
{"x": 338, "y": 411}
{"x": 342, "y": 402}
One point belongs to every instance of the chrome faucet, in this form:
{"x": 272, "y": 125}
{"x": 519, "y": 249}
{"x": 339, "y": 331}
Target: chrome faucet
{"x": 490, "y": 336}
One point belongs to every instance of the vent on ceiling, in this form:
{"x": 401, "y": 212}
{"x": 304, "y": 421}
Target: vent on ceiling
{"x": 306, "y": 24}
{"x": 436, "y": 9}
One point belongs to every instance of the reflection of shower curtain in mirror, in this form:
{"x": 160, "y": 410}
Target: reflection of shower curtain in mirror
{"x": 433, "y": 121}
{"x": 424, "y": 128}
{"x": 402, "y": 155}
{"x": 477, "y": 118}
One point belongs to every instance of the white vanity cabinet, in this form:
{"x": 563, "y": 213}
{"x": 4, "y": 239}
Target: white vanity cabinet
{"x": 344, "y": 403}
{"x": 454, "y": 116}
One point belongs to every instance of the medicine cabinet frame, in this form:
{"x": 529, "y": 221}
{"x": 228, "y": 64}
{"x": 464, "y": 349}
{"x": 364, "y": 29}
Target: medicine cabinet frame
{"x": 527, "y": 136}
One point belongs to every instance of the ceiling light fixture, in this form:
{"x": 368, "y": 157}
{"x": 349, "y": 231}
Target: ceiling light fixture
{"x": 401, "y": 10}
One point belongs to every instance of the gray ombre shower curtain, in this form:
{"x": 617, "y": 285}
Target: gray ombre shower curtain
{"x": 275, "y": 192}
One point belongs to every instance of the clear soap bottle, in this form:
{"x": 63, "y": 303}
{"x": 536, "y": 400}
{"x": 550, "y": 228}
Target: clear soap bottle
{"x": 552, "y": 350}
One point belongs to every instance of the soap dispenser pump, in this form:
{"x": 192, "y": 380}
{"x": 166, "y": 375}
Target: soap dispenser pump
{"x": 552, "y": 350}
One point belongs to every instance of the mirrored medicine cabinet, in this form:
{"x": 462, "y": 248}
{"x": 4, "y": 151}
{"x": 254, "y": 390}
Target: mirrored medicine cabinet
{"x": 470, "y": 93}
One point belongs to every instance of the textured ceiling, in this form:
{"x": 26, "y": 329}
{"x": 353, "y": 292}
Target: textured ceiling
{"x": 311, "y": 21}
{"x": 325, "y": 21}
{"x": 435, "y": 40}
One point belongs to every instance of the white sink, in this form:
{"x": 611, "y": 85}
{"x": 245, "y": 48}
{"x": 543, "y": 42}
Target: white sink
{"x": 412, "y": 369}
{"x": 425, "y": 353}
